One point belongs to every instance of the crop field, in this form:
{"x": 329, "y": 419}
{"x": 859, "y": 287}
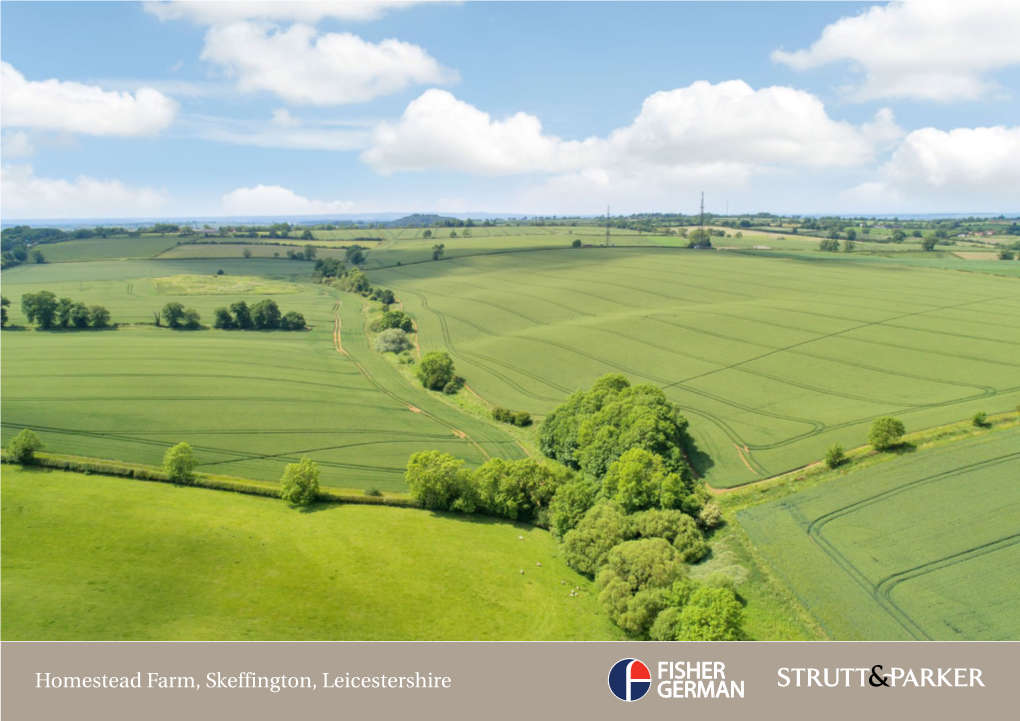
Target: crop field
{"x": 116, "y": 248}
{"x": 91, "y": 557}
{"x": 772, "y": 359}
{"x": 249, "y": 402}
{"x": 236, "y": 250}
{"x": 915, "y": 548}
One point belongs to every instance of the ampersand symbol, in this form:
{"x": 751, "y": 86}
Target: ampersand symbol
{"x": 882, "y": 680}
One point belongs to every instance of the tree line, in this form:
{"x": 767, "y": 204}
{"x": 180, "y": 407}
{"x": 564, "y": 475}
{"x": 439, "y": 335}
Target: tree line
{"x": 264, "y": 315}
{"x": 46, "y": 311}
{"x": 618, "y": 493}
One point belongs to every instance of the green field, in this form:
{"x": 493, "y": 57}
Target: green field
{"x": 249, "y": 402}
{"x": 772, "y": 359}
{"x": 921, "y": 547}
{"x": 116, "y": 248}
{"x": 90, "y": 557}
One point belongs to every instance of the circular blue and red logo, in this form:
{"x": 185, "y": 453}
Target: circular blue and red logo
{"x": 629, "y": 679}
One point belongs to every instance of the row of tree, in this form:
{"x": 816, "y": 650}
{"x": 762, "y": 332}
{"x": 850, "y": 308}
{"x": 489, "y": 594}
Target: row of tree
{"x": 264, "y": 315}
{"x": 46, "y": 311}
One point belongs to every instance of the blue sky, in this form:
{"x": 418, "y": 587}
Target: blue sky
{"x": 125, "y": 109}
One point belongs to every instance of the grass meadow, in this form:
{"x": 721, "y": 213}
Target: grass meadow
{"x": 96, "y": 558}
{"x": 920, "y": 547}
{"x": 772, "y": 359}
{"x": 249, "y": 402}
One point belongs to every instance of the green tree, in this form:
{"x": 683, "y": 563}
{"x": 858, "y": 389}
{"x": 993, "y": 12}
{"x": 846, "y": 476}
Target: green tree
{"x": 586, "y": 546}
{"x": 1005, "y": 254}
{"x": 307, "y": 235}
{"x": 242, "y": 314}
{"x": 517, "y": 490}
{"x": 222, "y": 319}
{"x": 980, "y": 420}
{"x": 300, "y": 482}
{"x": 849, "y": 246}
{"x": 439, "y": 248}
{"x": 638, "y": 417}
{"x": 292, "y": 320}
{"x": 64, "y": 306}
{"x": 711, "y": 614}
{"x": 689, "y": 542}
{"x": 929, "y": 242}
{"x": 835, "y": 456}
{"x": 4, "y": 303}
{"x": 99, "y": 316}
{"x": 40, "y": 308}
{"x": 79, "y": 315}
{"x": 38, "y": 257}
{"x": 576, "y": 243}
{"x": 436, "y": 480}
{"x": 355, "y": 255}
{"x": 886, "y": 433}
{"x": 427, "y": 234}
{"x": 435, "y": 370}
{"x": 898, "y": 236}
{"x": 633, "y": 579}
{"x": 192, "y": 320}
{"x": 265, "y": 315}
{"x": 396, "y": 319}
{"x": 179, "y": 463}
{"x": 22, "y": 448}
{"x": 246, "y": 252}
{"x": 309, "y": 251}
{"x": 639, "y": 480}
{"x": 573, "y": 499}
{"x": 173, "y": 314}
{"x": 699, "y": 238}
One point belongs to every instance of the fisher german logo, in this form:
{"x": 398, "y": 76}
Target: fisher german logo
{"x": 629, "y": 679}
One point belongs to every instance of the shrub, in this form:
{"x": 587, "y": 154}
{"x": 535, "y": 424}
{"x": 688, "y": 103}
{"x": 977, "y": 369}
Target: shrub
{"x": 576, "y": 243}
{"x": 300, "y": 482}
{"x": 372, "y": 491}
{"x": 22, "y": 448}
{"x": 689, "y": 542}
{"x": 391, "y": 340}
{"x": 503, "y": 415}
{"x": 886, "y": 433}
{"x": 435, "y": 370}
{"x": 396, "y": 319}
{"x": 980, "y": 419}
{"x": 710, "y": 516}
{"x": 586, "y": 546}
{"x": 179, "y": 463}
{"x": 658, "y": 523}
{"x": 436, "y": 479}
{"x": 522, "y": 419}
{"x": 835, "y": 456}
{"x": 452, "y": 387}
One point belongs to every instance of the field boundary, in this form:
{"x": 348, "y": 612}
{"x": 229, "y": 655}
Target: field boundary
{"x": 246, "y": 486}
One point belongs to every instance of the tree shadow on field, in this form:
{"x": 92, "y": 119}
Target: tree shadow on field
{"x": 901, "y": 449}
{"x": 699, "y": 460}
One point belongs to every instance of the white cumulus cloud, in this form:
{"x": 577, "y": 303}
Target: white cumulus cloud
{"x": 923, "y": 50}
{"x": 212, "y": 13}
{"x": 79, "y": 108}
{"x": 701, "y": 126}
{"x": 16, "y": 145}
{"x": 304, "y": 66}
{"x": 971, "y": 168}
{"x": 277, "y": 200}
{"x": 25, "y": 195}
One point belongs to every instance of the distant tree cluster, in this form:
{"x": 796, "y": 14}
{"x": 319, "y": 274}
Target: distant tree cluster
{"x": 522, "y": 419}
{"x": 46, "y": 311}
{"x": 829, "y": 245}
{"x": 176, "y": 316}
{"x": 699, "y": 238}
{"x": 264, "y": 315}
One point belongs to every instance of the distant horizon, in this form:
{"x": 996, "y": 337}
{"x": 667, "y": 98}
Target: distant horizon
{"x": 390, "y": 216}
